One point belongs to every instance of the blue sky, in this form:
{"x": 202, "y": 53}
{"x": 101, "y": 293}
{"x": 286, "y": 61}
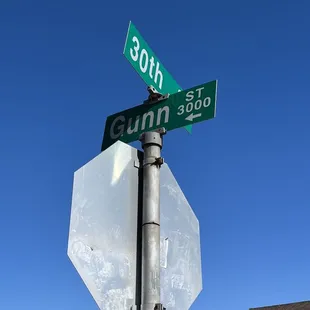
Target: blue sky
{"x": 246, "y": 173}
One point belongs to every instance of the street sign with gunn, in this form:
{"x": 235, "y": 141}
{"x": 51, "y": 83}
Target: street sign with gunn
{"x": 147, "y": 65}
{"x": 183, "y": 108}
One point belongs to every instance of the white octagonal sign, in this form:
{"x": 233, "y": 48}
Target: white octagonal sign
{"x": 103, "y": 233}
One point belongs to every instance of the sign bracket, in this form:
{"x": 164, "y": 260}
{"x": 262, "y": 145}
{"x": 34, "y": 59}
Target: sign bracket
{"x": 154, "y": 96}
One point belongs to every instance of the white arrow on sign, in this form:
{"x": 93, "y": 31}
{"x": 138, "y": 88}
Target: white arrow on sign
{"x": 192, "y": 116}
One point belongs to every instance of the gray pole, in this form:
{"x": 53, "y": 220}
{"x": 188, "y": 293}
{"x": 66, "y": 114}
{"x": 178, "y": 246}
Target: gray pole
{"x": 152, "y": 144}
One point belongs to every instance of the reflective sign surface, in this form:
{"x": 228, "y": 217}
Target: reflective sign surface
{"x": 103, "y": 227}
{"x": 103, "y": 233}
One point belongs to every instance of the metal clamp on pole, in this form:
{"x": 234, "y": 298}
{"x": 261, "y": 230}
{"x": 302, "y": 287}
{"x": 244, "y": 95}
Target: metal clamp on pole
{"x": 152, "y": 145}
{"x": 157, "y": 161}
{"x": 154, "y": 96}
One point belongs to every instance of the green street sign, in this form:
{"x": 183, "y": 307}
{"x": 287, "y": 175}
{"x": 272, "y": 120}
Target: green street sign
{"x": 147, "y": 65}
{"x": 180, "y": 109}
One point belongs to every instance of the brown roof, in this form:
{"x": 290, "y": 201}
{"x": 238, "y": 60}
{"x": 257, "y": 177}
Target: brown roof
{"x": 305, "y": 305}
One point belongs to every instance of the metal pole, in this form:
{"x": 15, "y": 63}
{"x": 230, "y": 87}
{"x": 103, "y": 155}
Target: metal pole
{"x": 152, "y": 144}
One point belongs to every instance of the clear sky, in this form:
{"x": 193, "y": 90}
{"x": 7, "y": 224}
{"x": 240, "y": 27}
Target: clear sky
{"x": 246, "y": 173}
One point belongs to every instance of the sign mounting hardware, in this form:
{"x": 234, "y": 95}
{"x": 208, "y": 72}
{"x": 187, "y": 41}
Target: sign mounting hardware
{"x": 154, "y": 96}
